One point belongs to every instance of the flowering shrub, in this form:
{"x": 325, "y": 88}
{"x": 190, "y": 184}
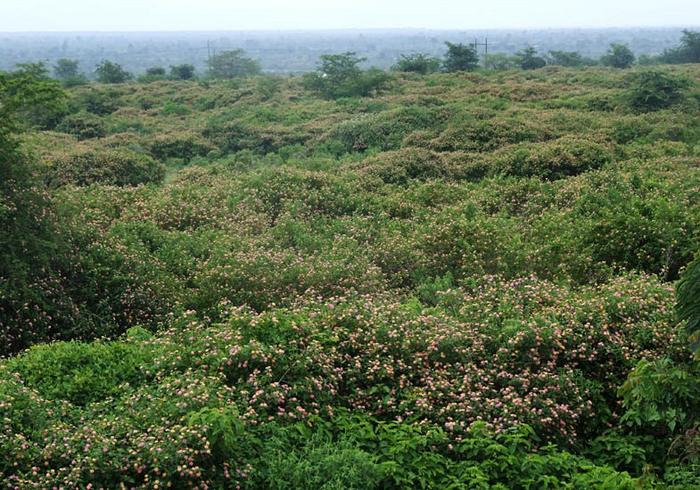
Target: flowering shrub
{"x": 386, "y": 130}
{"x": 112, "y": 167}
{"x": 465, "y": 281}
{"x": 499, "y": 353}
{"x": 83, "y": 126}
{"x": 185, "y": 146}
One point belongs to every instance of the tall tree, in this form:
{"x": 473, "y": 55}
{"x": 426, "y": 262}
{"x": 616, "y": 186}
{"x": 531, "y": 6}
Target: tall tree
{"x": 28, "y": 247}
{"x": 65, "y": 69}
{"x": 529, "y": 60}
{"x": 182, "y": 72}
{"x": 460, "y": 57}
{"x": 232, "y": 64}
{"x": 339, "y": 75}
{"x": 67, "y": 72}
{"x": 618, "y": 56}
{"x": 687, "y": 52}
{"x": 110, "y": 72}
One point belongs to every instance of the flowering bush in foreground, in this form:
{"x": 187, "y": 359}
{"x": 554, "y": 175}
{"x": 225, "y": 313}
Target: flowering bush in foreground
{"x": 192, "y": 404}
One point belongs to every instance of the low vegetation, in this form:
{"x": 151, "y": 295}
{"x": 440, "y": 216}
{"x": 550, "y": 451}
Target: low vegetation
{"x": 351, "y": 279}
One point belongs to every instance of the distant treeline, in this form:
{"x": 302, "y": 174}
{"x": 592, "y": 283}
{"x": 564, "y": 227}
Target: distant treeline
{"x": 298, "y": 52}
{"x": 334, "y": 70}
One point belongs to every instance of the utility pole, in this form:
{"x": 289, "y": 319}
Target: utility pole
{"x": 486, "y": 52}
{"x": 485, "y": 44}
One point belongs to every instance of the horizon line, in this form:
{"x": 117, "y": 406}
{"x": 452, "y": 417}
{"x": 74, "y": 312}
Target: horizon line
{"x": 342, "y": 29}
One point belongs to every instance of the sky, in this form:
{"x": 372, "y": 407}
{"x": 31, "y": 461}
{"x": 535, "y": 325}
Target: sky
{"x": 201, "y": 15}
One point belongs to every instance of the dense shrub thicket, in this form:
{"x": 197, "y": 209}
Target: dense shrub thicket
{"x": 463, "y": 281}
{"x": 109, "y": 167}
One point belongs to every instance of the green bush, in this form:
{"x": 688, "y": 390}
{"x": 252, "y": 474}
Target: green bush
{"x": 486, "y": 135}
{"x": 108, "y": 167}
{"x": 339, "y": 76}
{"x": 83, "y": 125}
{"x": 322, "y": 464}
{"x": 655, "y": 90}
{"x": 97, "y": 101}
{"x": 417, "y": 63}
{"x": 84, "y": 373}
{"x": 185, "y": 145}
{"x": 384, "y": 131}
{"x": 688, "y": 306}
{"x": 231, "y": 135}
{"x": 445, "y": 286}
{"x": 551, "y": 160}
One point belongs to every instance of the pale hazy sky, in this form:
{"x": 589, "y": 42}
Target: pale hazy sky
{"x": 167, "y": 15}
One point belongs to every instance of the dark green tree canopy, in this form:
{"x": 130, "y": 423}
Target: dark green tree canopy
{"x": 110, "y": 72}
{"x": 654, "y": 90}
{"x": 37, "y": 71}
{"x": 339, "y": 75}
{"x": 529, "y": 60}
{"x": 687, "y": 52}
{"x": 30, "y": 98}
{"x": 417, "y": 63}
{"x": 232, "y": 64}
{"x": 27, "y": 241}
{"x": 156, "y": 71}
{"x": 182, "y": 72}
{"x": 460, "y": 57}
{"x": 65, "y": 69}
{"x": 618, "y": 56}
{"x": 565, "y": 58}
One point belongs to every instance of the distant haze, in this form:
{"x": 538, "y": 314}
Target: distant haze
{"x": 173, "y": 15}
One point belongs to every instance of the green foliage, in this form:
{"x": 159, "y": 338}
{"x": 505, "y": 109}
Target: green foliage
{"x": 182, "y": 72}
{"x": 618, "y": 56}
{"x": 31, "y": 98}
{"x": 268, "y": 87}
{"x": 570, "y": 59}
{"x": 31, "y": 251}
{"x": 82, "y": 373}
{"x": 156, "y": 71}
{"x": 655, "y": 90}
{"x": 443, "y": 286}
{"x": 688, "y": 306}
{"x": 185, "y": 146}
{"x": 339, "y": 75}
{"x": 383, "y": 131}
{"x": 687, "y": 52}
{"x": 322, "y": 464}
{"x": 529, "y": 60}
{"x": 171, "y": 108}
{"x": 66, "y": 70}
{"x": 621, "y": 451}
{"x": 551, "y": 160}
{"x": 417, "y": 63}
{"x": 110, "y": 167}
{"x": 460, "y": 57}
{"x": 661, "y": 397}
{"x": 232, "y": 64}
{"x": 110, "y": 72}
{"x": 83, "y": 125}
{"x": 501, "y": 62}
{"x": 153, "y": 74}
{"x": 37, "y": 71}
{"x": 97, "y": 101}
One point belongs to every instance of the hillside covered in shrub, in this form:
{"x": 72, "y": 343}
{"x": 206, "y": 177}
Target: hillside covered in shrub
{"x": 450, "y": 280}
